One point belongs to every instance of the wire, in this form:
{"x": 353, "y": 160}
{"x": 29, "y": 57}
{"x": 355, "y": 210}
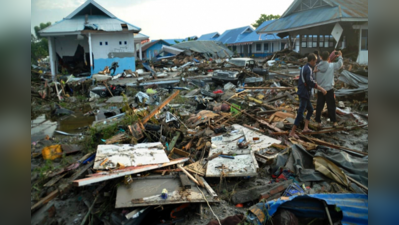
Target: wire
{"x": 209, "y": 205}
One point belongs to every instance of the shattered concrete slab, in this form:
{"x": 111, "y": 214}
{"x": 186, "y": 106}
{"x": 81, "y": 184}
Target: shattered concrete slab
{"x": 110, "y": 156}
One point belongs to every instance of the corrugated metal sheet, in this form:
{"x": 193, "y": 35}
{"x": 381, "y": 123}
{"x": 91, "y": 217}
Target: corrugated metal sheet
{"x": 208, "y": 48}
{"x": 231, "y": 36}
{"x": 208, "y": 37}
{"x": 303, "y": 18}
{"x": 344, "y": 9}
{"x": 77, "y": 24}
{"x": 354, "y": 207}
{"x": 354, "y": 8}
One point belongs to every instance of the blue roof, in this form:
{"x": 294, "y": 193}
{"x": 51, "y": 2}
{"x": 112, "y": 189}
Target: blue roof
{"x": 342, "y": 9}
{"x": 209, "y": 37}
{"x": 354, "y": 207}
{"x": 251, "y": 37}
{"x": 231, "y": 36}
{"x": 172, "y": 41}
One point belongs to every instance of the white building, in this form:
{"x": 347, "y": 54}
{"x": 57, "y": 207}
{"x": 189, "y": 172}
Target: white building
{"x": 89, "y": 39}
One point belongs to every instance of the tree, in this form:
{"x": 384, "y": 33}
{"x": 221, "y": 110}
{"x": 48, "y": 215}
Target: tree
{"x": 263, "y": 18}
{"x": 38, "y": 44}
{"x": 41, "y": 27}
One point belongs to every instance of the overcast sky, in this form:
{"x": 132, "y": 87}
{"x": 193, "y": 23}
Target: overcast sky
{"x": 167, "y": 19}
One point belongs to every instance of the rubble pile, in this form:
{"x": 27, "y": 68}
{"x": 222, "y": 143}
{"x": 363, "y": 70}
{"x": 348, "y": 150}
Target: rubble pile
{"x": 180, "y": 149}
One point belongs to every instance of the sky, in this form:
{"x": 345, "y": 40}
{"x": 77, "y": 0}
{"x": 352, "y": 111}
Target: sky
{"x": 168, "y": 19}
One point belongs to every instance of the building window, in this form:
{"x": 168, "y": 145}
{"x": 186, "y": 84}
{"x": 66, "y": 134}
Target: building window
{"x": 365, "y": 42}
{"x": 310, "y": 41}
{"x": 314, "y": 41}
{"x": 234, "y": 48}
{"x": 106, "y": 43}
{"x": 120, "y": 43}
{"x": 266, "y": 47}
{"x": 321, "y": 41}
{"x": 125, "y": 42}
{"x": 328, "y": 41}
{"x": 304, "y": 39}
{"x": 258, "y": 47}
{"x": 101, "y": 43}
{"x": 282, "y": 45}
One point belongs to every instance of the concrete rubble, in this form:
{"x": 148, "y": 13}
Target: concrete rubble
{"x": 167, "y": 145}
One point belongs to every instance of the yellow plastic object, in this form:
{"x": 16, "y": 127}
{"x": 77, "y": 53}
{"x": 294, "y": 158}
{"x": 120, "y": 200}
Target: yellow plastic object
{"x": 52, "y": 152}
{"x": 151, "y": 91}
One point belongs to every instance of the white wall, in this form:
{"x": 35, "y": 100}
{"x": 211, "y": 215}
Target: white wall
{"x": 102, "y": 51}
{"x": 66, "y": 46}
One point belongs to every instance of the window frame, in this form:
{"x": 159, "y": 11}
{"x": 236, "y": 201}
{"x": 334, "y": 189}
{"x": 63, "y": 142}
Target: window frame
{"x": 260, "y": 47}
{"x": 267, "y": 47}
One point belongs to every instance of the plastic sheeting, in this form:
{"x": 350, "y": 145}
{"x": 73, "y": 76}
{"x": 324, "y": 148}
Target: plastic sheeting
{"x": 355, "y": 167}
{"x": 209, "y": 49}
{"x": 354, "y": 207}
{"x": 359, "y": 82}
{"x": 303, "y": 165}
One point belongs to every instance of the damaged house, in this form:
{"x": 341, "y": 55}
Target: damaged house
{"x": 88, "y": 40}
{"x": 153, "y": 48}
{"x": 249, "y": 43}
{"x": 319, "y": 23}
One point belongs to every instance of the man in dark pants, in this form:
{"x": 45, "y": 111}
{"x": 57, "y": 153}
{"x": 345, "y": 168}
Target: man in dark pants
{"x": 325, "y": 79}
{"x": 305, "y": 85}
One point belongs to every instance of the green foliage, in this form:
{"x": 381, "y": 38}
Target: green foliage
{"x": 188, "y": 39}
{"x": 38, "y": 44}
{"x": 41, "y": 27}
{"x": 263, "y": 18}
{"x": 45, "y": 168}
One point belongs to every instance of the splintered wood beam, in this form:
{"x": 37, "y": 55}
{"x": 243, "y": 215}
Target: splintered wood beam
{"x": 102, "y": 176}
{"x": 315, "y": 132}
{"x": 269, "y": 125}
{"x": 43, "y": 201}
{"x": 208, "y": 188}
{"x": 188, "y": 174}
{"x": 163, "y": 104}
{"x": 321, "y": 142}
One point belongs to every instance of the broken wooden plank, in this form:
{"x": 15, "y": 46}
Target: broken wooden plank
{"x": 43, "y": 201}
{"x": 321, "y": 142}
{"x": 307, "y": 145}
{"x": 314, "y": 132}
{"x": 67, "y": 184}
{"x": 254, "y": 128}
{"x": 54, "y": 180}
{"x": 199, "y": 180}
{"x": 188, "y": 174}
{"x": 102, "y": 176}
{"x": 269, "y": 125}
{"x": 196, "y": 168}
{"x": 186, "y": 184}
{"x": 163, "y": 104}
{"x": 116, "y": 138}
{"x": 208, "y": 188}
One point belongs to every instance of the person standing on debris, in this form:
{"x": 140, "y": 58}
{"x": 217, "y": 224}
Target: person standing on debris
{"x": 325, "y": 79}
{"x": 305, "y": 85}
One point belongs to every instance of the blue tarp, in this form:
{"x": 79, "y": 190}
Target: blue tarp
{"x": 354, "y": 207}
